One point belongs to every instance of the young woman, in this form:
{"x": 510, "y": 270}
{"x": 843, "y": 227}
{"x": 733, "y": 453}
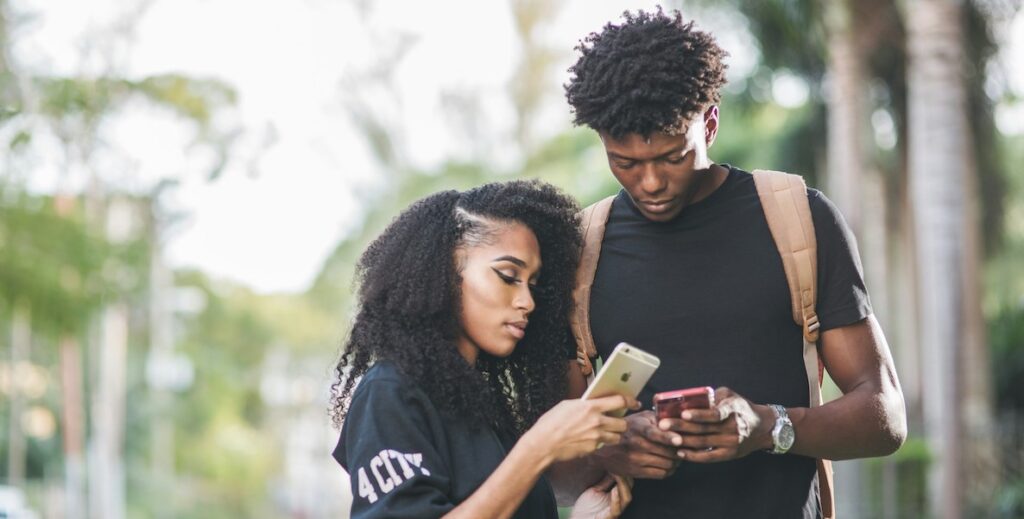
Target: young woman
{"x": 459, "y": 349}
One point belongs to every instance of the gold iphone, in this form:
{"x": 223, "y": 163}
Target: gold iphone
{"x": 625, "y": 372}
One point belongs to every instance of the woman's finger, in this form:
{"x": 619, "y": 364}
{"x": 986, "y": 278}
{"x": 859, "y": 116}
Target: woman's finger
{"x": 609, "y": 438}
{"x": 625, "y": 486}
{"x": 615, "y": 503}
{"x": 610, "y": 423}
{"x": 607, "y": 483}
{"x": 610, "y": 403}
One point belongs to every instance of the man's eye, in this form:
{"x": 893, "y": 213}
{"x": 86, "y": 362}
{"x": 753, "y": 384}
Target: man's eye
{"x": 625, "y": 165}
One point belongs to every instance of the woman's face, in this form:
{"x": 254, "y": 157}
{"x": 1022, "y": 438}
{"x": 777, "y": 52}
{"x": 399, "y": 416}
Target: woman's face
{"x": 497, "y": 278}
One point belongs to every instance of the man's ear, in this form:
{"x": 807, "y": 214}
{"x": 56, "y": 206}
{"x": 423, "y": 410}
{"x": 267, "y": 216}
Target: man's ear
{"x": 710, "y": 125}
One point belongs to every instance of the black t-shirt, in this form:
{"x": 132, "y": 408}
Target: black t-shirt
{"x": 406, "y": 460}
{"x": 706, "y": 293}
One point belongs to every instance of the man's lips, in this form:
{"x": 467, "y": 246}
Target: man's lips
{"x": 656, "y": 206}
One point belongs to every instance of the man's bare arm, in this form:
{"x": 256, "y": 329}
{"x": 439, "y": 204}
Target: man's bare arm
{"x": 870, "y": 418}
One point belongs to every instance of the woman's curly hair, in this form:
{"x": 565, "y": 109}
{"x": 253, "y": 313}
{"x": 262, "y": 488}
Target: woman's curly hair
{"x": 409, "y": 305}
{"x": 644, "y": 76}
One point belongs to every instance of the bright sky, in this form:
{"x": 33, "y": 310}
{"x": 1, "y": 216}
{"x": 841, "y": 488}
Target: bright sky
{"x": 301, "y": 168}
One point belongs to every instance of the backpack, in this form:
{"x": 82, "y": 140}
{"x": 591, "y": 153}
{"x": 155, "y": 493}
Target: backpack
{"x": 784, "y": 199}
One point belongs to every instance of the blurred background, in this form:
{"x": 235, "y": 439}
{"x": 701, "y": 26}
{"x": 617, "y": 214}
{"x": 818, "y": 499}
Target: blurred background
{"x": 185, "y": 187}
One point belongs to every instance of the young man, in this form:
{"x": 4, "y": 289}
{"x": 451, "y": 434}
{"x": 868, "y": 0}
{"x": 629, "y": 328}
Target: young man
{"x": 688, "y": 270}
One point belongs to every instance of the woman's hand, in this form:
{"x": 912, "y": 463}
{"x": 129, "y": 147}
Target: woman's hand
{"x": 576, "y": 428}
{"x": 605, "y": 500}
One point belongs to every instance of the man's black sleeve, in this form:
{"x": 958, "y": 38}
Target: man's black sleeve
{"x": 842, "y": 296}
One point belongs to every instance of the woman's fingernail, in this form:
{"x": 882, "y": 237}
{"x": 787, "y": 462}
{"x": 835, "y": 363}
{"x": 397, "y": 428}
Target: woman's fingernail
{"x": 682, "y": 454}
{"x": 676, "y": 440}
{"x": 663, "y": 425}
{"x": 687, "y": 415}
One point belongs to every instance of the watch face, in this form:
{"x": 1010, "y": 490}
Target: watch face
{"x": 786, "y": 437}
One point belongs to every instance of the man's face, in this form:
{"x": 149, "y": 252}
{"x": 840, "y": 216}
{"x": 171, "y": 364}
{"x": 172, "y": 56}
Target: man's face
{"x": 660, "y": 172}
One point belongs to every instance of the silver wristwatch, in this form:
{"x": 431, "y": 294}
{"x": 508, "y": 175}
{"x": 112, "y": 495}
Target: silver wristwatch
{"x": 783, "y": 434}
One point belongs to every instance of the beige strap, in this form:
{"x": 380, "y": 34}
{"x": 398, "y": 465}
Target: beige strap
{"x": 825, "y": 489}
{"x": 812, "y": 364}
{"x": 592, "y": 220}
{"x": 784, "y": 199}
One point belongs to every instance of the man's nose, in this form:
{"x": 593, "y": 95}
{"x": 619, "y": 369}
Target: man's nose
{"x": 651, "y": 182}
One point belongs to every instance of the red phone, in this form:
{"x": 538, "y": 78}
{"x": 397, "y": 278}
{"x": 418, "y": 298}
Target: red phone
{"x": 670, "y": 404}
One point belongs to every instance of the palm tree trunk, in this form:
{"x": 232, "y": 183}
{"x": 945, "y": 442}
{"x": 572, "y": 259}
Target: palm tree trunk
{"x": 846, "y": 121}
{"x": 941, "y": 170}
{"x": 845, "y": 175}
{"x": 73, "y": 419}
{"x": 21, "y": 340}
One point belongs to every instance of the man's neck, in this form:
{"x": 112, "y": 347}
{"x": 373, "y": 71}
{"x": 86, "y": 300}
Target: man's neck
{"x": 705, "y": 182}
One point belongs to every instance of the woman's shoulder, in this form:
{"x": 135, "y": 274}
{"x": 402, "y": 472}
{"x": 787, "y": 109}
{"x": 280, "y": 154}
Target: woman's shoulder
{"x": 386, "y": 380}
{"x": 385, "y": 371}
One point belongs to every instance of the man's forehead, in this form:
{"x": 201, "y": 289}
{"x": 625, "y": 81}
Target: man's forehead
{"x": 659, "y": 142}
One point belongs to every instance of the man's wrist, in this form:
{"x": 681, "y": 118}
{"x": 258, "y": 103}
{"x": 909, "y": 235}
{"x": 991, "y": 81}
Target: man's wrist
{"x": 763, "y": 434}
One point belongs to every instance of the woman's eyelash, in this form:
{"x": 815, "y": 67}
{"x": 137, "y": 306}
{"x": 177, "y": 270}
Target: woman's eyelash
{"x": 506, "y": 278}
{"x": 515, "y": 281}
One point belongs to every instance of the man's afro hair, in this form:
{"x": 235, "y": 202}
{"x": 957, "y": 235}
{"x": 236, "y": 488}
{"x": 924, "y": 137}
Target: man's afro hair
{"x": 647, "y": 75}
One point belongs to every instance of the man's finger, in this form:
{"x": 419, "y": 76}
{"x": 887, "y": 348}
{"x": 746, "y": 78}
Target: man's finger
{"x": 691, "y": 427}
{"x": 713, "y": 415}
{"x": 705, "y": 441}
{"x": 658, "y": 435}
{"x": 711, "y": 456}
{"x": 651, "y": 473}
{"x": 647, "y": 460}
{"x": 643, "y": 445}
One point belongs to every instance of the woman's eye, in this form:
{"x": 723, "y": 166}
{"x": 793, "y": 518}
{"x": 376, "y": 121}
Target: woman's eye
{"x": 511, "y": 280}
{"x": 625, "y": 165}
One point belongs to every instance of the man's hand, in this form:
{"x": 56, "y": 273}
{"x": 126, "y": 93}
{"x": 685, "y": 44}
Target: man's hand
{"x": 732, "y": 429}
{"x": 645, "y": 451}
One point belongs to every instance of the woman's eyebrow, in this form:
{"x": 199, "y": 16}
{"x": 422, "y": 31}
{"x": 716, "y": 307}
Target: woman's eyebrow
{"x": 511, "y": 259}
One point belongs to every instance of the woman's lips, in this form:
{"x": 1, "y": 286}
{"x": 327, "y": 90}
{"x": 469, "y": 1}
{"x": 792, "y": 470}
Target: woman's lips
{"x": 518, "y": 330}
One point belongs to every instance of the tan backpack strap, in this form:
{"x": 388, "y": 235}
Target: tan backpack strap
{"x": 784, "y": 199}
{"x": 592, "y": 221}
{"x": 825, "y": 489}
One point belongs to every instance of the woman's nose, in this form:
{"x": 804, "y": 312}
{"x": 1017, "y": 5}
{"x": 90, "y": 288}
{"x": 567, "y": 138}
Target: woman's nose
{"x": 524, "y": 299}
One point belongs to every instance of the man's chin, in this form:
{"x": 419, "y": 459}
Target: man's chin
{"x": 660, "y": 216}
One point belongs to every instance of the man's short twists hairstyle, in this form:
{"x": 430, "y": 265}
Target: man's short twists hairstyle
{"x": 650, "y": 74}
